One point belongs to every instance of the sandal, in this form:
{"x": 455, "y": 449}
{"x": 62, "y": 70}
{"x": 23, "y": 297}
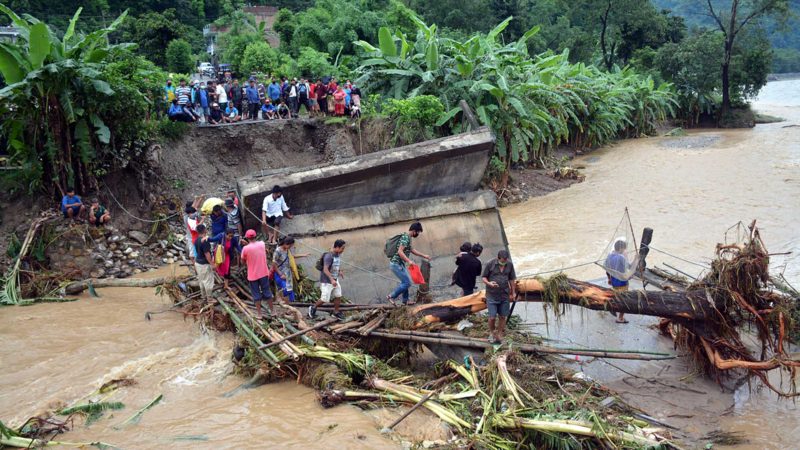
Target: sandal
{"x": 622, "y": 321}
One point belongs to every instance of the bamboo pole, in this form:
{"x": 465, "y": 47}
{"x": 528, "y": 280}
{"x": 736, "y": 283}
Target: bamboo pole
{"x": 525, "y": 348}
{"x": 322, "y": 324}
{"x": 250, "y": 336}
{"x": 292, "y": 329}
{"x": 408, "y": 413}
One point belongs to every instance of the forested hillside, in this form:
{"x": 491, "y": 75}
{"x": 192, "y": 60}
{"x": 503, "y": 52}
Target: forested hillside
{"x": 785, "y": 38}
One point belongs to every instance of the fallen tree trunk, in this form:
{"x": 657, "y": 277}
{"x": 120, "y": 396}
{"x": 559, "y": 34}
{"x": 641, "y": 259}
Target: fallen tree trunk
{"x": 76, "y": 287}
{"x": 688, "y": 305}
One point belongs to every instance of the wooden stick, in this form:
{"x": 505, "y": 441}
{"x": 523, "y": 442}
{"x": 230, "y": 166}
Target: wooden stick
{"x": 408, "y": 413}
{"x": 372, "y": 325}
{"x": 291, "y": 328}
{"x": 347, "y": 326}
{"x": 322, "y": 324}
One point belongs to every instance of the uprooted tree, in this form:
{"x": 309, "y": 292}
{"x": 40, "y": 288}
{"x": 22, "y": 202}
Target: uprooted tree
{"x": 704, "y": 320}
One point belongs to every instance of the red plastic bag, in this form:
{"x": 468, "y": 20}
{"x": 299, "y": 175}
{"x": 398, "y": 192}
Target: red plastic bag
{"x": 416, "y": 274}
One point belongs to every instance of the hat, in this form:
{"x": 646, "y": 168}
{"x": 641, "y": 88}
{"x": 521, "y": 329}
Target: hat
{"x": 252, "y": 78}
{"x": 228, "y": 202}
{"x": 250, "y": 234}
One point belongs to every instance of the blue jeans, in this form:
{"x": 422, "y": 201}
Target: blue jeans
{"x": 405, "y": 281}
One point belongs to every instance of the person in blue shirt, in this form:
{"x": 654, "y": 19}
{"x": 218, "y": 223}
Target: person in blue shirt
{"x": 219, "y": 223}
{"x": 71, "y": 205}
{"x": 177, "y": 113}
{"x": 616, "y": 266}
{"x": 231, "y": 114}
{"x": 268, "y": 110}
{"x": 274, "y": 91}
{"x": 252, "y": 99}
{"x": 202, "y": 99}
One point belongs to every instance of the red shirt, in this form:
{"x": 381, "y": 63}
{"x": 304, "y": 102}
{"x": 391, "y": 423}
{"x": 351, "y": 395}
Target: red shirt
{"x": 312, "y": 90}
{"x": 254, "y": 255}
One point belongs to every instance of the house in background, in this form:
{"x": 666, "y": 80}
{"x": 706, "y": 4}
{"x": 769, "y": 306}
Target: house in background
{"x": 10, "y": 34}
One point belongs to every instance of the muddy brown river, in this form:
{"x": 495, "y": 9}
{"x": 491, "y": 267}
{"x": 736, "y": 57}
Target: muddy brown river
{"x": 689, "y": 189}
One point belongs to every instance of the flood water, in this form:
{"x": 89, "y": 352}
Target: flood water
{"x": 690, "y": 190}
{"x": 53, "y": 355}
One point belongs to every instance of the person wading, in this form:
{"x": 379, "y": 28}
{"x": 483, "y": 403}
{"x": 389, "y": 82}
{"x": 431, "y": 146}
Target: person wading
{"x": 254, "y": 256}
{"x": 329, "y": 280}
{"x": 397, "y": 249}
{"x": 499, "y": 276}
{"x": 204, "y": 263}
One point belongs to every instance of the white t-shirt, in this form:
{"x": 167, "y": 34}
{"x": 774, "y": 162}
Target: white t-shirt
{"x": 293, "y": 91}
{"x": 222, "y": 97}
{"x": 274, "y": 208}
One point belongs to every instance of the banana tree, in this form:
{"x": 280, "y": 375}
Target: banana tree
{"x": 50, "y": 101}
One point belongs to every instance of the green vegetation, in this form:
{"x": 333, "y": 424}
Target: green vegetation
{"x": 532, "y": 102}
{"x": 179, "y": 56}
{"x": 579, "y": 72}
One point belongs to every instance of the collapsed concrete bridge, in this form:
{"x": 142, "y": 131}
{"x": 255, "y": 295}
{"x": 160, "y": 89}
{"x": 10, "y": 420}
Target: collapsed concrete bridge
{"x": 366, "y": 200}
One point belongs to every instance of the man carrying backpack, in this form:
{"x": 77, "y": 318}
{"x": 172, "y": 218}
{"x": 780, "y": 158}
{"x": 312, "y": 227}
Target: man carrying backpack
{"x": 302, "y": 93}
{"x": 330, "y": 267}
{"x": 397, "y": 249}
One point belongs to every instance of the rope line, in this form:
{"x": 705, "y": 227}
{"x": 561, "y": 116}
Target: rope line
{"x": 527, "y": 276}
{"x": 705, "y": 266}
{"x": 134, "y": 216}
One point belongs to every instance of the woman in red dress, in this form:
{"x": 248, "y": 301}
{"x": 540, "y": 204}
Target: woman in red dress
{"x": 338, "y": 101}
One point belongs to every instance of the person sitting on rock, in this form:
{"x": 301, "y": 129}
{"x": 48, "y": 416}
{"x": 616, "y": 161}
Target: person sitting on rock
{"x": 268, "y": 110}
{"x": 177, "y": 113}
{"x": 216, "y": 114}
{"x": 98, "y": 214}
{"x": 283, "y": 110}
{"x": 71, "y": 205}
{"x": 231, "y": 114}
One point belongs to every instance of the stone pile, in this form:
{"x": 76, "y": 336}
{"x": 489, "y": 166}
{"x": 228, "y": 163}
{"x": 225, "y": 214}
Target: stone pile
{"x": 111, "y": 253}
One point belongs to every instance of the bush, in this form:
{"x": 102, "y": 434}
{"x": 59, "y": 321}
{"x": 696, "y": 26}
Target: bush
{"x": 311, "y": 63}
{"x": 415, "y": 117}
{"x": 179, "y": 56}
{"x": 260, "y": 57}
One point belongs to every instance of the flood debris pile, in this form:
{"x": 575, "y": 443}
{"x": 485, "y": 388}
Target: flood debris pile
{"x": 497, "y": 400}
{"x": 744, "y": 296}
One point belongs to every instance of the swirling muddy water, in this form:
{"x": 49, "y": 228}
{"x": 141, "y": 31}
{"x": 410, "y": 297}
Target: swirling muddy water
{"x": 690, "y": 190}
{"x": 55, "y": 354}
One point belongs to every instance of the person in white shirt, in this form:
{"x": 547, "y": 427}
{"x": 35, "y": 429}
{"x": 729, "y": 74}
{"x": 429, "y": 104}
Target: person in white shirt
{"x": 272, "y": 212}
{"x": 222, "y": 96}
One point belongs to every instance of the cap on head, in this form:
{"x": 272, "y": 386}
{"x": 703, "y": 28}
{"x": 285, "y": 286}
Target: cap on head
{"x": 250, "y": 234}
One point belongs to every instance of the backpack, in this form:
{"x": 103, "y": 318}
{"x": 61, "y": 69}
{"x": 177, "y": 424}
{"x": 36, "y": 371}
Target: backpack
{"x": 320, "y": 265}
{"x": 390, "y": 248}
{"x": 303, "y": 89}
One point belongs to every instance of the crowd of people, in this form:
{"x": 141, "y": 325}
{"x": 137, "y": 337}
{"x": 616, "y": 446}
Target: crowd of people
{"x": 228, "y": 101}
